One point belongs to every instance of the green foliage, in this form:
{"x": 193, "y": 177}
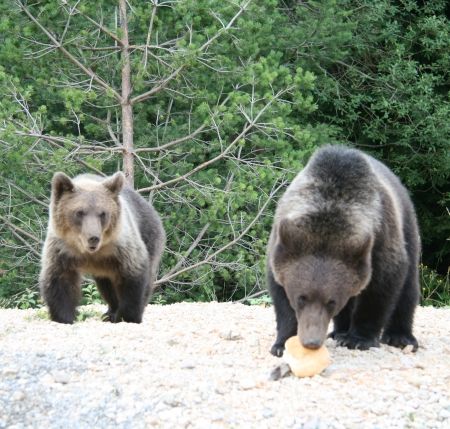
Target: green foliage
{"x": 91, "y": 295}
{"x": 372, "y": 74}
{"x": 29, "y": 299}
{"x": 386, "y": 91}
{"x": 238, "y": 78}
{"x": 435, "y": 288}
{"x": 88, "y": 313}
{"x": 264, "y": 300}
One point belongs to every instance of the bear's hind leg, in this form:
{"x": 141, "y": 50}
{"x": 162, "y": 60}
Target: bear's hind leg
{"x": 108, "y": 293}
{"x": 398, "y": 331}
{"x": 285, "y": 315}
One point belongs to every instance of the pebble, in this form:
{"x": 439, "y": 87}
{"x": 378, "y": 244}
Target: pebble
{"x": 18, "y": 396}
{"x": 267, "y": 413}
{"x": 61, "y": 377}
{"x": 211, "y": 373}
{"x": 9, "y": 372}
{"x": 444, "y": 414}
{"x": 230, "y": 336}
{"x": 247, "y": 384}
{"x": 221, "y": 388}
{"x": 187, "y": 364}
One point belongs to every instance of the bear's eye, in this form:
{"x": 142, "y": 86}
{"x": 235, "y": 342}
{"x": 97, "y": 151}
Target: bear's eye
{"x": 102, "y": 215}
{"x": 79, "y": 214}
{"x": 301, "y": 301}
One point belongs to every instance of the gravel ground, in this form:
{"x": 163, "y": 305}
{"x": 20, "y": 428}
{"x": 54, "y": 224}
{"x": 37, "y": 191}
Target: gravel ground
{"x": 207, "y": 366}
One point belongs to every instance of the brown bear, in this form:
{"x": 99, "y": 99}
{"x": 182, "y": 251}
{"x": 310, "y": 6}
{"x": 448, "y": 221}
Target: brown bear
{"x": 102, "y": 227}
{"x": 344, "y": 245}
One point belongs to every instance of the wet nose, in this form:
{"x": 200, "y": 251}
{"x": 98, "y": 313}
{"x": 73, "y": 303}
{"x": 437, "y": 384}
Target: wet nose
{"x": 311, "y": 343}
{"x": 93, "y": 241}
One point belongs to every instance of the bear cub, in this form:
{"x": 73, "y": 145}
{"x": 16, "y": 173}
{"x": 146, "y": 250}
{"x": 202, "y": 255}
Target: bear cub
{"x": 102, "y": 227}
{"x": 344, "y": 246}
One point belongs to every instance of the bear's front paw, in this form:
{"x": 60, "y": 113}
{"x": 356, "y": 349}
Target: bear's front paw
{"x": 352, "y": 341}
{"x": 108, "y": 317}
{"x": 400, "y": 340}
{"x": 277, "y": 349}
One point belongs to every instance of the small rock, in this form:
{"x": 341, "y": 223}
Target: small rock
{"x": 267, "y": 413}
{"x": 444, "y": 414}
{"x": 221, "y": 388}
{"x": 187, "y": 364}
{"x": 414, "y": 380}
{"x": 313, "y": 423}
{"x": 173, "y": 401}
{"x": 9, "y": 372}
{"x": 280, "y": 371}
{"x": 230, "y": 336}
{"x": 247, "y": 384}
{"x": 61, "y": 377}
{"x": 217, "y": 417}
{"x": 18, "y": 396}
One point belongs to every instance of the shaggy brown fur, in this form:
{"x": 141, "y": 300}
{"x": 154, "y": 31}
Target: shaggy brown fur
{"x": 103, "y": 228}
{"x": 344, "y": 245}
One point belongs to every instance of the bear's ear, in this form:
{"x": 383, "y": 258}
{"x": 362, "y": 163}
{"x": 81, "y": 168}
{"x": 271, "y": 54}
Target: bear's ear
{"x": 115, "y": 183}
{"x": 61, "y": 184}
{"x": 359, "y": 254}
{"x": 290, "y": 234}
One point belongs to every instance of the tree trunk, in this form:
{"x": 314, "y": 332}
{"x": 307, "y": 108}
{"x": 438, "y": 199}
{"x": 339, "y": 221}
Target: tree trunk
{"x": 127, "y": 108}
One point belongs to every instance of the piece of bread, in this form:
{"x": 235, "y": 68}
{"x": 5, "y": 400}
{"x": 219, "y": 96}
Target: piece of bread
{"x": 305, "y": 362}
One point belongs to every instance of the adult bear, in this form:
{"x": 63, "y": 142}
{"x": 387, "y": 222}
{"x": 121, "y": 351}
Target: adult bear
{"x": 344, "y": 245}
{"x": 104, "y": 228}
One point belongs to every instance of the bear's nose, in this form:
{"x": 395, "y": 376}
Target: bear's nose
{"x": 312, "y": 343}
{"x": 93, "y": 241}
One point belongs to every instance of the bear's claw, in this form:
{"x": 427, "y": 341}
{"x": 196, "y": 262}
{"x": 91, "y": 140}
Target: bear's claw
{"x": 400, "y": 340}
{"x": 353, "y": 342}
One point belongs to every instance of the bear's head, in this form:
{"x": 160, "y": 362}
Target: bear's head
{"x": 319, "y": 275}
{"x": 85, "y": 211}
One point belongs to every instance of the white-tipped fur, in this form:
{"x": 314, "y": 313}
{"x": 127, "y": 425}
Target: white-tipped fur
{"x": 344, "y": 241}
{"x": 123, "y": 259}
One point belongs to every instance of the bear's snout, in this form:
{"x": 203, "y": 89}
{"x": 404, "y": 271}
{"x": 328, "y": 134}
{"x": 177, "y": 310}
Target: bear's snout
{"x": 313, "y": 321}
{"x": 312, "y": 343}
{"x": 93, "y": 242}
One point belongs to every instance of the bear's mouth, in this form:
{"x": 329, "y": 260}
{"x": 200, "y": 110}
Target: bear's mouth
{"x": 93, "y": 248}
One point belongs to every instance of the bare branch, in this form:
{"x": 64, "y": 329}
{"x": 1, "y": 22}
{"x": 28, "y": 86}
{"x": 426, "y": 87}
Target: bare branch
{"x": 100, "y": 27}
{"x": 68, "y": 55}
{"x": 248, "y": 126}
{"x": 226, "y": 27}
{"x": 112, "y": 134}
{"x": 149, "y": 32}
{"x": 59, "y": 142}
{"x": 252, "y": 296}
{"x": 176, "y": 72}
{"x": 173, "y": 142}
{"x": 181, "y": 139}
{"x": 158, "y": 88}
{"x": 211, "y": 257}
{"x": 30, "y": 196}
{"x": 19, "y": 230}
{"x": 189, "y": 251}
